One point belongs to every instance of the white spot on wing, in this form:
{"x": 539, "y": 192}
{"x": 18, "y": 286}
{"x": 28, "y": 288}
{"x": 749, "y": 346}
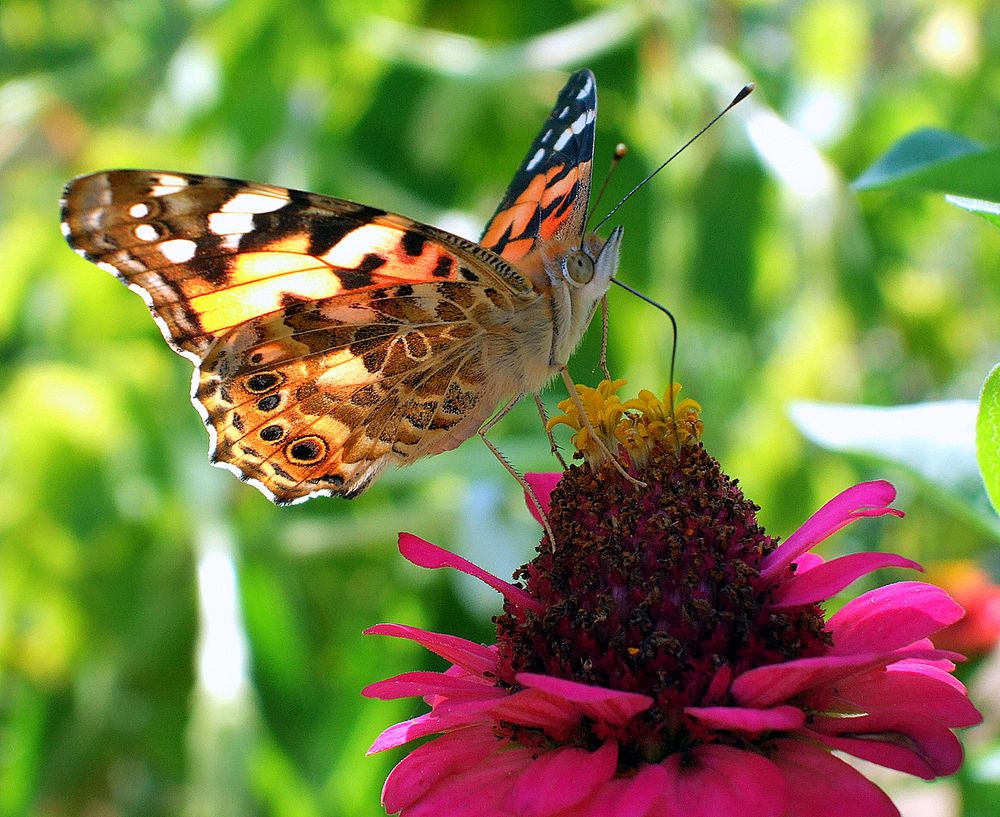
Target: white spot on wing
{"x": 585, "y": 89}
{"x": 167, "y": 183}
{"x": 146, "y": 232}
{"x": 92, "y": 220}
{"x": 546, "y": 137}
{"x": 178, "y": 250}
{"x": 129, "y": 263}
{"x": 579, "y": 123}
{"x": 230, "y": 223}
{"x": 105, "y": 197}
{"x": 253, "y": 203}
{"x": 563, "y": 112}
{"x": 139, "y": 210}
{"x": 64, "y": 226}
{"x": 539, "y": 155}
{"x": 368, "y": 238}
{"x": 563, "y": 139}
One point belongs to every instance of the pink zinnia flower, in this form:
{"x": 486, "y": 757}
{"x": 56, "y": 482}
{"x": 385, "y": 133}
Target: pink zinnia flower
{"x": 665, "y": 656}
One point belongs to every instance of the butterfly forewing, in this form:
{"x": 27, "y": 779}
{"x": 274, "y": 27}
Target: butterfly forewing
{"x": 548, "y": 196}
{"x": 331, "y": 338}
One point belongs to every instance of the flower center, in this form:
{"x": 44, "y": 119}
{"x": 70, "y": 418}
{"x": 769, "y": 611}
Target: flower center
{"x": 652, "y": 590}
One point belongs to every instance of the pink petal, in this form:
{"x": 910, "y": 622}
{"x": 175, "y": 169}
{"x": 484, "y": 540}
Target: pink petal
{"x": 625, "y": 796}
{"x": 533, "y": 707}
{"x": 467, "y": 654}
{"x": 542, "y": 485}
{"x": 930, "y": 670}
{"x": 719, "y": 780}
{"x": 888, "y": 618}
{"x": 923, "y": 652}
{"x": 882, "y": 753}
{"x": 806, "y": 562}
{"x": 562, "y": 778}
{"x": 865, "y": 499}
{"x": 772, "y": 684}
{"x": 443, "y": 719}
{"x": 909, "y": 743}
{"x": 766, "y": 686}
{"x": 825, "y": 581}
{"x": 821, "y": 785}
{"x": 739, "y": 719}
{"x": 604, "y": 802}
{"x": 448, "y": 755}
{"x": 611, "y": 706}
{"x": 409, "y": 684}
{"x": 898, "y": 692}
{"x": 424, "y": 554}
{"x": 478, "y": 792}
{"x": 718, "y": 689}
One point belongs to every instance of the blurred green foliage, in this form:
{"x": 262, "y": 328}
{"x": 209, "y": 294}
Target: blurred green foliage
{"x": 170, "y": 643}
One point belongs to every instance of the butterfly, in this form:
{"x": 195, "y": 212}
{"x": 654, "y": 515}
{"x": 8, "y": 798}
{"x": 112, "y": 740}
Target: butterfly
{"x": 332, "y": 339}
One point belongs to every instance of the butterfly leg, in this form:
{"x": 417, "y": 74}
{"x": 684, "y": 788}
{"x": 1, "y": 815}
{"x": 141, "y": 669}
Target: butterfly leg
{"x": 528, "y": 490}
{"x": 604, "y": 338}
{"x": 585, "y": 419}
{"x": 548, "y": 431}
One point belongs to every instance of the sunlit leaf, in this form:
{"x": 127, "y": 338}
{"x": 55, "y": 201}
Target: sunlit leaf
{"x": 988, "y": 435}
{"x": 934, "y": 442}
{"x": 990, "y": 210}
{"x": 932, "y": 160}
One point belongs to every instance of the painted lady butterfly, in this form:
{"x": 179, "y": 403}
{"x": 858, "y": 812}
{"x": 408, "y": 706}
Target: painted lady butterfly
{"x": 331, "y": 339}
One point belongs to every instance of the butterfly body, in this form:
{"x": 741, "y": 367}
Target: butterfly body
{"x": 332, "y": 339}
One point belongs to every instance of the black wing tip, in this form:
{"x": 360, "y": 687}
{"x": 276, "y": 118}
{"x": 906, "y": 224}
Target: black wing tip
{"x": 578, "y": 81}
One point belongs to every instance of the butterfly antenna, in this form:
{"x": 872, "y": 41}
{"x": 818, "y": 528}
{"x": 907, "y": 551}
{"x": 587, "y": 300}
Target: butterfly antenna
{"x": 621, "y": 150}
{"x": 745, "y": 91}
{"x": 673, "y": 353}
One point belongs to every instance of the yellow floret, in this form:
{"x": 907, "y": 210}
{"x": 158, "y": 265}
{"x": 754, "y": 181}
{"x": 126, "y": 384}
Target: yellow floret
{"x": 637, "y": 424}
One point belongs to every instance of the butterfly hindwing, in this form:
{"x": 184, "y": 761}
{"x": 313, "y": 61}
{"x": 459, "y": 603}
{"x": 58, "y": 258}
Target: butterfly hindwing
{"x": 322, "y": 397}
{"x": 330, "y": 338}
{"x": 548, "y": 196}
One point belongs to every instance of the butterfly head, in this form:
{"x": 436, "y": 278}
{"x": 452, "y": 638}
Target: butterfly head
{"x": 576, "y": 277}
{"x": 587, "y": 270}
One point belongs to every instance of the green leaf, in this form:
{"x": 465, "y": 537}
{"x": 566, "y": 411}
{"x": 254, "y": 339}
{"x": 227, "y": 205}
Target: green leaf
{"x": 990, "y": 210}
{"x": 988, "y": 435}
{"x": 935, "y": 160}
{"x": 933, "y": 442}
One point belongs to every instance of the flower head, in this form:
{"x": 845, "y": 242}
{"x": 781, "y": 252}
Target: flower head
{"x": 666, "y": 656}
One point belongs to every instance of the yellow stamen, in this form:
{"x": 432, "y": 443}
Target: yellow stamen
{"x": 604, "y": 409}
{"x": 637, "y": 424}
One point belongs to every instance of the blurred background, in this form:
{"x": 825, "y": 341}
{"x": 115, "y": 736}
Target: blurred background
{"x": 173, "y": 644}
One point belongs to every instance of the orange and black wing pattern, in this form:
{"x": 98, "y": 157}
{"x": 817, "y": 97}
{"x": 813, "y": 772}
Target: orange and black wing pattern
{"x": 330, "y": 338}
{"x": 549, "y": 194}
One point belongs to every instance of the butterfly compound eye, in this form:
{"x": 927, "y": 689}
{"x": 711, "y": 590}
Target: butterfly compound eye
{"x": 580, "y": 267}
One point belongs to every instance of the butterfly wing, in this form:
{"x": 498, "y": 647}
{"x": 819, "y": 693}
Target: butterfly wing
{"x": 549, "y": 194}
{"x": 330, "y": 338}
